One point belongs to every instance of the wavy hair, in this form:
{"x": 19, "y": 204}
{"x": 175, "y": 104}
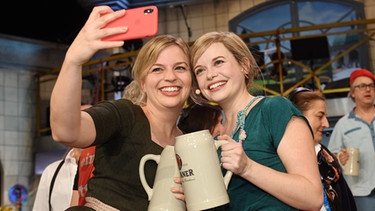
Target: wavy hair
{"x": 146, "y": 58}
{"x": 235, "y": 45}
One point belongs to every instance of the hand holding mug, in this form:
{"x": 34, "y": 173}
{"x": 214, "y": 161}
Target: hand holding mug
{"x": 202, "y": 180}
{"x": 343, "y": 156}
{"x": 233, "y": 157}
{"x": 178, "y": 191}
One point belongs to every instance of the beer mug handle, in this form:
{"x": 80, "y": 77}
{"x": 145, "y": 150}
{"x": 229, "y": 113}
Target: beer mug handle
{"x": 142, "y": 176}
{"x": 229, "y": 174}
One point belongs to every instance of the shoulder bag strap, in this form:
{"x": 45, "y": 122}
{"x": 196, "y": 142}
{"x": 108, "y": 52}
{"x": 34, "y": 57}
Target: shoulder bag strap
{"x": 53, "y": 182}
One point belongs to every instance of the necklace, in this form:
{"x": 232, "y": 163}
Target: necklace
{"x": 241, "y": 115}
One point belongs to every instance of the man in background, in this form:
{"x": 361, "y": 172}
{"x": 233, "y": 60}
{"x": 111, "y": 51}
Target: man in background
{"x": 356, "y": 129}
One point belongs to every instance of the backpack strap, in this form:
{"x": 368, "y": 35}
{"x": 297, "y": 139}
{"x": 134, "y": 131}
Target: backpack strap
{"x": 53, "y": 182}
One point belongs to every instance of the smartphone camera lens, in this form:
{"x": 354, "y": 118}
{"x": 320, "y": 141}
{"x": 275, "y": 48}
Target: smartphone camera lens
{"x": 147, "y": 11}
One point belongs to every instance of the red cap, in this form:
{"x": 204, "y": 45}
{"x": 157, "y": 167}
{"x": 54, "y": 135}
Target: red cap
{"x": 360, "y": 72}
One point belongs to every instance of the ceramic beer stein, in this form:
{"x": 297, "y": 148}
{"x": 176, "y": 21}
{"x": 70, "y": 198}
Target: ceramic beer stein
{"x": 202, "y": 179}
{"x": 160, "y": 196}
{"x": 351, "y": 166}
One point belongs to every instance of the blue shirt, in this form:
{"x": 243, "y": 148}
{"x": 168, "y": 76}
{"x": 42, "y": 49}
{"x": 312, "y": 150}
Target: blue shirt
{"x": 352, "y": 131}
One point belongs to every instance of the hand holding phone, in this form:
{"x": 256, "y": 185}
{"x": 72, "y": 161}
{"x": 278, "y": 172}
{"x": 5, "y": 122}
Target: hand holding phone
{"x": 141, "y": 22}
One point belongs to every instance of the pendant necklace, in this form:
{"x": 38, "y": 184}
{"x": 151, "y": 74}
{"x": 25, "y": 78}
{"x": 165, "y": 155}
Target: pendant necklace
{"x": 241, "y": 116}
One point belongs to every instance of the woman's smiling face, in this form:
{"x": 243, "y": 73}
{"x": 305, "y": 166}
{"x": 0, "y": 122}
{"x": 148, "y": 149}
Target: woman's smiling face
{"x": 218, "y": 73}
{"x": 168, "y": 82}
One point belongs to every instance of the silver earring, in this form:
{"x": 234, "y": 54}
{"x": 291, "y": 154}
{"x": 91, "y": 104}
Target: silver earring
{"x": 197, "y": 91}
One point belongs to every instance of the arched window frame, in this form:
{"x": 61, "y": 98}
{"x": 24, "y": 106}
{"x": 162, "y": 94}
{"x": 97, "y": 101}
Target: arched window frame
{"x": 291, "y": 9}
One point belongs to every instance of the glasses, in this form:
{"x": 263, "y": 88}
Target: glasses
{"x": 364, "y": 86}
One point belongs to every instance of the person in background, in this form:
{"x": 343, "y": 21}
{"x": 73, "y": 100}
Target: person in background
{"x": 199, "y": 117}
{"x": 277, "y": 66}
{"x": 122, "y": 130}
{"x": 356, "y": 129}
{"x": 61, "y": 180}
{"x": 270, "y": 148}
{"x": 85, "y": 172}
{"x": 338, "y": 195}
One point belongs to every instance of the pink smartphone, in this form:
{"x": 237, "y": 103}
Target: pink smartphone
{"x": 141, "y": 22}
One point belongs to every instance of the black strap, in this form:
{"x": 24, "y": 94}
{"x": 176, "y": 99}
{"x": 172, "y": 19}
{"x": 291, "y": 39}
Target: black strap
{"x": 53, "y": 182}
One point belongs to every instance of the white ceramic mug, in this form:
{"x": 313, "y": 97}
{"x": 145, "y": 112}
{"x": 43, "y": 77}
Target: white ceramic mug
{"x": 160, "y": 196}
{"x": 202, "y": 179}
{"x": 351, "y": 166}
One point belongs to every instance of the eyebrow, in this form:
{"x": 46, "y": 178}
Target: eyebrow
{"x": 177, "y": 63}
{"x": 185, "y": 63}
{"x": 215, "y": 58}
{"x": 322, "y": 112}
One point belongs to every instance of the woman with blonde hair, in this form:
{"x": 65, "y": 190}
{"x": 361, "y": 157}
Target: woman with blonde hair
{"x": 270, "y": 146}
{"x": 123, "y": 130}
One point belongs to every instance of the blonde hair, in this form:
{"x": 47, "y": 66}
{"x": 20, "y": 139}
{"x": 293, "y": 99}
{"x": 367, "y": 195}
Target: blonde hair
{"x": 235, "y": 45}
{"x": 146, "y": 58}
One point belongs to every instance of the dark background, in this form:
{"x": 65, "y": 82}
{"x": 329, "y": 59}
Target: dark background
{"x": 48, "y": 20}
{"x": 59, "y": 21}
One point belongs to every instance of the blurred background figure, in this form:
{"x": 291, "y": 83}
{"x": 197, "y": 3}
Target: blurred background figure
{"x": 199, "y": 117}
{"x": 85, "y": 169}
{"x": 337, "y": 194}
{"x": 356, "y": 129}
{"x": 85, "y": 172}
{"x": 277, "y": 66}
{"x": 56, "y": 185}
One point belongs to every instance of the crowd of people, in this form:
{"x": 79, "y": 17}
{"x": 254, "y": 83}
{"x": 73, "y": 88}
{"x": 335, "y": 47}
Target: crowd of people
{"x": 273, "y": 147}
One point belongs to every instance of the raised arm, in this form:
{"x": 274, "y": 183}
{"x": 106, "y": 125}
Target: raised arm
{"x": 69, "y": 124}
